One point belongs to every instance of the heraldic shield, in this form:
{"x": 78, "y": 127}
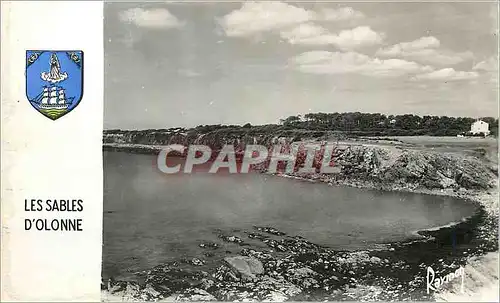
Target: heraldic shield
{"x": 54, "y": 81}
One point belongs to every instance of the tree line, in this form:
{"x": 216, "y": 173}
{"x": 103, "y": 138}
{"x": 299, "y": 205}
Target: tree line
{"x": 380, "y": 124}
{"x": 353, "y": 123}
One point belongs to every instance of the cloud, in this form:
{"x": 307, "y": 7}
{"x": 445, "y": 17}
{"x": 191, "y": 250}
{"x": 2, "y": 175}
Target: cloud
{"x": 489, "y": 65}
{"x": 427, "y": 50}
{"x": 361, "y": 35}
{"x": 311, "y": 34}
{"x": 46, "y": 76}
{"x": 257, "y": 17}
{"x": 324, "y": 62}
{"x": 307, "y": 33}
{"x": 153, "y": 18}
{"x": 340, "y": 14}
{"x": 447, "y": 74}
{"x": 408, "y": 47}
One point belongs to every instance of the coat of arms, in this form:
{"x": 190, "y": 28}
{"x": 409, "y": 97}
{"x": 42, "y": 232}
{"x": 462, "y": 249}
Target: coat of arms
{"x": 54, "y": 81}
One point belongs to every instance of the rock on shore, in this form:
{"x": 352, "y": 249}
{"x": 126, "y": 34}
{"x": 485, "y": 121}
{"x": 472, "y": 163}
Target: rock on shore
{"x": 247, "y": 267}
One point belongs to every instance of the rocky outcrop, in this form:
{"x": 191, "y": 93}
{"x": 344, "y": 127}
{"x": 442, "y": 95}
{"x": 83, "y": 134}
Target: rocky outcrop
{"x": 246, "y": 267}
{"x": 396, "y": 168}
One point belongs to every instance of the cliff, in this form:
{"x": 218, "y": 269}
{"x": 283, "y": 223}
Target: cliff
{"x": 393, "y": 168}
{"x": 215, "y": 136}
{"x": 389, "y": 164}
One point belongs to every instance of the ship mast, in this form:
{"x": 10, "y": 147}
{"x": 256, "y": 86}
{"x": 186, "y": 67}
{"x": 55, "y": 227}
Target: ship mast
{"x": 62, "y": 97}
{"x": 45, "y": 96}
{"x": 53, "y": 95}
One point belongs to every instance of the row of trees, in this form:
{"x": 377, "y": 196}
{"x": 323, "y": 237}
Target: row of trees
{"x": 355, "y": 123}
{"x": 407, "y": 124}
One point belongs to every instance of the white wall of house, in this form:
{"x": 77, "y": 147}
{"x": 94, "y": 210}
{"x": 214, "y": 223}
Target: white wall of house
{"x": 480, "y": 127}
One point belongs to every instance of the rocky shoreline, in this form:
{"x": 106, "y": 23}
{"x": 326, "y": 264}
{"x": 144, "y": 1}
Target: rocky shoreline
{"x": 291, "y": 268}
{"x": 295, "y": 269}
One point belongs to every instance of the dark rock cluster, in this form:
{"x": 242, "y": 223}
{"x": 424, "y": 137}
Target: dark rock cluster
{"x": 294, "y": 269}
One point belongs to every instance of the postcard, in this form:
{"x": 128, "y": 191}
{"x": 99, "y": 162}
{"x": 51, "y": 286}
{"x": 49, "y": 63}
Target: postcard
{"x": 240, "y": 151}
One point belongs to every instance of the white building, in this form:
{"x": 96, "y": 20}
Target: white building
{"x": 479, "y": 127}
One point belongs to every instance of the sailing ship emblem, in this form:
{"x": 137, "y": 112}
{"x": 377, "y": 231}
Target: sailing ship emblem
{"x": 54, "y": 81}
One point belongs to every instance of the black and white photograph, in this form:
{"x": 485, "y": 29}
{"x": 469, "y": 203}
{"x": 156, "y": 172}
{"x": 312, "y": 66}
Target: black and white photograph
{"x": 300, "y": 151}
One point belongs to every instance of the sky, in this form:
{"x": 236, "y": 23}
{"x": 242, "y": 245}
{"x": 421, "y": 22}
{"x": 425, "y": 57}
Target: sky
{"x": 187, "y": 64}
